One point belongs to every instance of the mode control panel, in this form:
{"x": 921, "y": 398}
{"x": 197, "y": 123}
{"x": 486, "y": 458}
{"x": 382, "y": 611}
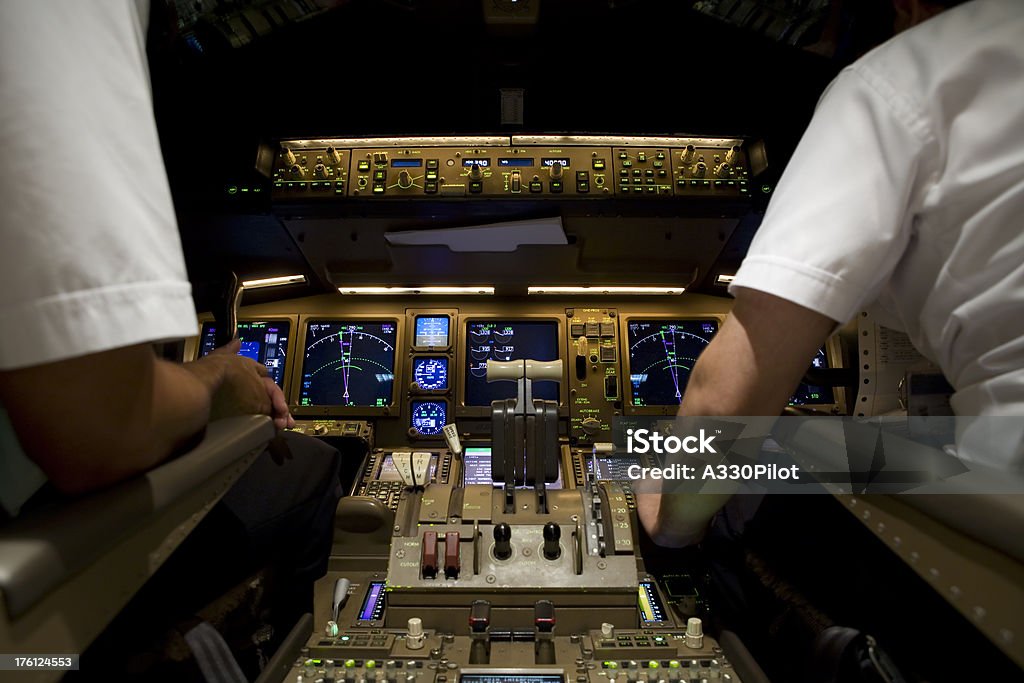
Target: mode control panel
{"x": 522, "y": 166}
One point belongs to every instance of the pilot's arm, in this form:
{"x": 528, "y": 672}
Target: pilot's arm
{"x": 91, "y": 265}
{"x": 751, "y": 367}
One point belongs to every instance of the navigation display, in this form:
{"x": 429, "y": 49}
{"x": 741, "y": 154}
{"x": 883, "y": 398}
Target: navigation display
{"x": 348, "y": 363}
{"x": 264, "y": 342}
{"x": 507, "y": 340}
{"x": 661, "y": 356}
{"x": 809, "y": 394}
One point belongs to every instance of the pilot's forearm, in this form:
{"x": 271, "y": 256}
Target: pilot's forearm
{"x": 95, "y": 420}
{"x": 750, "y": 369}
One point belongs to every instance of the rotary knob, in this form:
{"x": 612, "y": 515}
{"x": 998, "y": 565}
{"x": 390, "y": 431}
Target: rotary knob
{"x": 687, "y": 154}
{"x": 732, "y": 156}
{"x": 722, "y": 170}
{"x": 320, "y": 171}
{"x": 699, "y": 169}
{"x": 591, "y": 425}
{"x": 404, "y": 180}
{"x": 288, "y": 156}
{"x": 297, "y": 171}
{"x": 321, "y": 429}
{"x": 474, "y": 172}
{"x": 332, "y": 155}
{"x": 556, "y": 170}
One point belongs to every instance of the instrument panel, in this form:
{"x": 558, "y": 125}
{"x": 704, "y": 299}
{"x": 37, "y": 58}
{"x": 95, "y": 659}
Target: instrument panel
{"x": 538, "y": 166}
{"x": 414, "y": 369}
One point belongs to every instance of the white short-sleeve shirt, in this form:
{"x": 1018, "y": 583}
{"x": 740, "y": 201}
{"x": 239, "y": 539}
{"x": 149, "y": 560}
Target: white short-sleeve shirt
{"x": 907, "y": 191}
{"x": 90, "y": 257}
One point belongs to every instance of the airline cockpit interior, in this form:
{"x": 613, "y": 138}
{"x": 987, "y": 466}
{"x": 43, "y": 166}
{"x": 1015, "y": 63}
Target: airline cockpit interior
{"x": 474, "y": 242}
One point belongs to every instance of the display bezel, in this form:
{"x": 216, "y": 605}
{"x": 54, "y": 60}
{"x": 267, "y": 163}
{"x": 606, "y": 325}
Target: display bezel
{"x": 193, "y": 344}
{"x": 427, "y": 314}
{"x": 428, "y": 398}
{"x": 463, "y": 410}
{"x": 392, "y": 409}
{"x": 624, "y": 381}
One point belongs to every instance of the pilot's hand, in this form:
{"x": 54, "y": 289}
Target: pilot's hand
{"x": 232, "y": 398}
{"x": 241, "y": 390}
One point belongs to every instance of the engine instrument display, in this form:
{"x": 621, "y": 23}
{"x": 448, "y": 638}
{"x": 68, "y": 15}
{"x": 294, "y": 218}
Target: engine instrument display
{"x": 661, "y": 357}
{"x": 430, "y": 374}
{"x": 506, "y": 340}
{"x": 348, "y": 363}
{"x": 428, "y": 417}
{"x": 264, "y": 342}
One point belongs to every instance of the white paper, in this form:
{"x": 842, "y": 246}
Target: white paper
{"x": 507, "y": 236}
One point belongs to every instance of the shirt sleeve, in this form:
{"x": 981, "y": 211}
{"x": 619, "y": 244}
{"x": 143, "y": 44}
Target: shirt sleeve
{"x": 842, "y": 213}
{"x": 91, "y": 258}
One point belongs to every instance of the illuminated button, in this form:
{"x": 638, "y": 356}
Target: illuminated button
{"x": 637, "y": 172}
{"x": 627, "y": 163}
{"x": 350, "y": 663}
{"x": 582, "y": 175}
{"x": 652, "y": 664}
{"x": 339, "y": 187}
{"x": 718, "y": 183}
{"x": 380, "y": 175}
{"x": 556, "y": 186}
{"x": 607, "y": 330}
{"x": 432, "y": 163}
{"x": 583, "y": 187}
{"x": 649, "y": 173}
{"x": 378, "y": 188}
{"x": 432, "y": 175}
{"x": 660, "y": 156}
{"x": 380, "y": 157}
{"x": 278, "y": 184}
{"x": 598, "y": 164}
{"x": 577, "y": 330}
{"x": 299, "y": 186}
{"x": 674, "y": 664}
{"x": 371, "y": 664}
{"x": 610, "y": 665}
{"x": 650, "y": 181}
{"x": 430, "y": 187}
{"x": 623, "y": 155}
{"x": 364, "y": 165}
{"x": 624, "y": 189}
{"x": 623, "y": 173}
{"x": 607, "y": 354}
{"x": 536, "y": 186}
{"x": 593, "y": 329}
{"x": 476, "y": 187}
{"x": 641, "y": 157}
{"x": 659, "y": 164}
{"x": 662, "y": 173}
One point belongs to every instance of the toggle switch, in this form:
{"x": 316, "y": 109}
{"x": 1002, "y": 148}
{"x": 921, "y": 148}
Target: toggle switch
{"x": 552, "y": 537}
{"x": 451, "y": 555}
{"x": 503, "y": 541}
{"x": 428, "y": 559}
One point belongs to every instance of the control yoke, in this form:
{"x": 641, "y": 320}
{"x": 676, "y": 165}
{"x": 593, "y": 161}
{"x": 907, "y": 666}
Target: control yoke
{"x": 524, "y": 430}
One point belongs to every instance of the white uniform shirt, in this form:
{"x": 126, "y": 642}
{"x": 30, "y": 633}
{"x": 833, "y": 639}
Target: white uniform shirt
{"x": 907, "y": 190}
{"x": 90, "y": 257}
